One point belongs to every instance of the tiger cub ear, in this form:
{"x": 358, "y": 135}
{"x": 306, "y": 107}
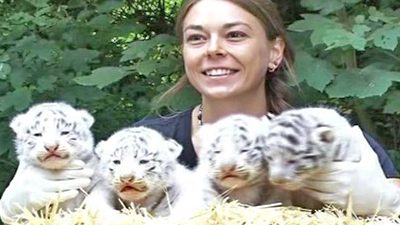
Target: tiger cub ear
{"x": 86, "y": 117}
{"x": 17, "y": 122}
{"x": 174, "y": 147}
{"x": 100, "y": 148}
{"x": 325, "y": 135}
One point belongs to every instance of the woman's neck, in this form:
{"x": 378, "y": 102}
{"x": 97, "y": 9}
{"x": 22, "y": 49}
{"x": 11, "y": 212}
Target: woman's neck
{"x": 213, "y": 110}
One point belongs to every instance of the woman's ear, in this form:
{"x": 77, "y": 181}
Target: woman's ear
{"x": 276, "y": 53}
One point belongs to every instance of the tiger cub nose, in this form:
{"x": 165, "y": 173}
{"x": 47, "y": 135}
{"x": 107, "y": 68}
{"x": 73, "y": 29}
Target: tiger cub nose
{"x": 229, "y": 168}
{"x": 127, "y": 179}
{"x": 51, "y": 148}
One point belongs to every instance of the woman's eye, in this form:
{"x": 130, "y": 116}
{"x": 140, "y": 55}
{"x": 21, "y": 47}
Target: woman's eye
{"x": 195, "y": 39}
{"x": 236, "y": 35}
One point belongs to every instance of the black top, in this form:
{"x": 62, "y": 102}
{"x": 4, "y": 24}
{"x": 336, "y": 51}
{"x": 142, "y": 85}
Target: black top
{"x": 179, "y": 125}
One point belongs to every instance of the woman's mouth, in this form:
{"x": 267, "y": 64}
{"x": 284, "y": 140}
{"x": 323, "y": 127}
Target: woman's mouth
{"x": 217, "y": 72}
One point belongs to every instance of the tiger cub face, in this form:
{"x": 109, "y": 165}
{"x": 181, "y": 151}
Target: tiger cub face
{"x": 231, "y": 151}
{"x": 52, "y": 134}
{"x": 301, "y": 141}
{"x": 138, "y": 162}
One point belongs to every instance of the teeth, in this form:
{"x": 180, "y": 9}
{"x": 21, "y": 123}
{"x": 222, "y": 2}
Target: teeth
{"x": 218, "y": 72}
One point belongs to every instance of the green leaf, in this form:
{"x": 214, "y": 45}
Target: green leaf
{"x": 164, "y": 39}
{"x": 140, "y": 49}
{"x": 74, "y": 4}
{"x": 362, "y": 83}
{"x": 387, "y": 36}
{"x": 317, "y": 73}
{"x": 5, "y": 138}
{"x": 45, "y": 83}
{"x": 108, "y": 6}
{"x": 360, "y": 29}
{"x": 38, "y": 3}
{"x": 79, "y": 59}
{"x": 43, "y": 21}
{"x": 167, "y": 66}
{"x": 145, "y": 67}
{"x": 316, "y": 23}
{"x": 375, "y": 16}
{"x": 21, "y": 18}
{"x": 335, "y": 38}
{"x": 137, "y": 49}
{"x": 102, "y": 77}
{"x": 5, "y": 69}
{"x": 324, "y": 6}
{"x": 43, "y": 49}
{"x": 19, "y": 76}
{"x": 101, "y": 22}
{"x": 4, "y": 57}
{"x": 43, "y": 11}
{"x": 312, "y": 22}
{"x": 20, "y": 99}
{"x": 350, "y": 2}
{"x": 359, "y": 19}
{"x": 392, "y": 103}
{"x": 126, "y": 28}
{"x": 84, "y": 93}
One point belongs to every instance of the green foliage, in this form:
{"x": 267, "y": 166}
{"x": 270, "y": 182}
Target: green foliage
{"x": 110, "y": 57}
{"x": 348, "y": 50}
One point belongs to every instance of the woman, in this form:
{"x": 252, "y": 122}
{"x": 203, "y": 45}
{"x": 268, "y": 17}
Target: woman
{"x": 237, "y": 56}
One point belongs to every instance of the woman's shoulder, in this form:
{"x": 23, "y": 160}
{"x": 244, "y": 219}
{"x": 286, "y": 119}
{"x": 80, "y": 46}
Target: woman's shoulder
{"x": 384, "y": 159}
{"x": 166, "y": 124}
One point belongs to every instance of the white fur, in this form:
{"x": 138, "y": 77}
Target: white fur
{"x": 231, "y": 161}
{"x": 166, "y": 186}
{"x": 58, "y": 129}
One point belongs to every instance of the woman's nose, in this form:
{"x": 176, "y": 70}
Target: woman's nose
{"x": 215, "y": 47}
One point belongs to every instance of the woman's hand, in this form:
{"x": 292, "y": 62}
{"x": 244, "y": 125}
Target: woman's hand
{"x": 33, "y": 187}
{"x": 361, "y": 186}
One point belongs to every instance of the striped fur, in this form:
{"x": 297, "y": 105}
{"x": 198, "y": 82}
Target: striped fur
{"x": 140, "y": 168}
{"x": 301, "y": 141}
{"x": 231, "y": 160}
{"x": 52, "y": 134}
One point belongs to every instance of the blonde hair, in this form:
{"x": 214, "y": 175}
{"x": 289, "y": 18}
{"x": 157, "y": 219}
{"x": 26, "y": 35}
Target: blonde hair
{"x": 276, "y": 87}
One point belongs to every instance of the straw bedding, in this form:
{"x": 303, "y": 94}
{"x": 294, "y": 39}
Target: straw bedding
{"x": 217, "y": 214}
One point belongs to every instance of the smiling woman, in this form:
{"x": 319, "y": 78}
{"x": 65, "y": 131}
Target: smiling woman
{"x": 235, "y": 59}
{"x": 237, "y": 56}
{"x": 227, "y": 58}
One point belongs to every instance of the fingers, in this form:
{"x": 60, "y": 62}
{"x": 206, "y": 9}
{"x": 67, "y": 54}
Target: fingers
{"x": 38, "y": 201}
{"x": 65, "y": 185}
{"x": 66, "y": 174}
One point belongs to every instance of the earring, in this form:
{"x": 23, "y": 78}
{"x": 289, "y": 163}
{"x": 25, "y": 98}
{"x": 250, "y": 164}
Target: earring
{"x": 272, "y": 68}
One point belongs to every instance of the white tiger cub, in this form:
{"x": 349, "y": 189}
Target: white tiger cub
{"x": 231, "y": 161}
{"x": 140, "y": 167}
{"x": 301, "y": 141}
{"x": 52, "y": 134}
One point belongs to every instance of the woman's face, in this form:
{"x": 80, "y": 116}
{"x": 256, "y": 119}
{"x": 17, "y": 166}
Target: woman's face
{"x": 226, "y": 51}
